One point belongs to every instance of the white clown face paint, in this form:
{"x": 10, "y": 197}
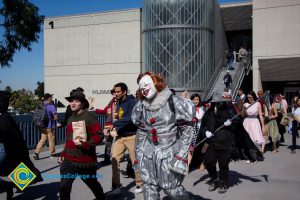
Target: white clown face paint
{"x": 147, "y": 87}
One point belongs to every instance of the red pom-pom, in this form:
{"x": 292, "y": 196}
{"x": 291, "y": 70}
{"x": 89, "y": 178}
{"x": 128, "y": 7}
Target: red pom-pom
{"x": 135, "y": 162}
{"x": 152, "y": 120}
{"x": 191, "y": 148}
{"x": 194, "y": 120}
{"x": 153, "y": 131}
{"x": 154, "y": 138}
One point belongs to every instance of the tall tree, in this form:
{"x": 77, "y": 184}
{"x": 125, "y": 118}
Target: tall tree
{"x": 8, "y": 88}
{"x": 23, "y": 100}
{"x": 21, "y": 24}
{"x": 39, "y": 91}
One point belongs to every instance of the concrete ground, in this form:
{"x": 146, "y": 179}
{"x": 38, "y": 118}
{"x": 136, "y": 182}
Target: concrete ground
{"x": 276, "y": 178}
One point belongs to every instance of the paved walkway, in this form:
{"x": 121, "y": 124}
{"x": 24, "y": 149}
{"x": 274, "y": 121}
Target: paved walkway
{"x": 277, "y": 178}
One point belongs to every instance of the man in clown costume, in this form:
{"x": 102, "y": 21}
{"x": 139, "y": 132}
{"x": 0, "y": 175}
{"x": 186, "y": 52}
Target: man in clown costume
{"x": 163, "y": 139}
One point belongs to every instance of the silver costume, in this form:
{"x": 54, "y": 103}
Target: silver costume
{"x": 159, "y": 167}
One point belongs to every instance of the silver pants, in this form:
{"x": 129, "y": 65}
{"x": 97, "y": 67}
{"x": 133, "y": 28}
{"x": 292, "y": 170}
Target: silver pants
{"x": 156, "y": 176}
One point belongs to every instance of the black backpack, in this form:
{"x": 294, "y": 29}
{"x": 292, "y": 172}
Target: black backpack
{"x": 40, "y": 117}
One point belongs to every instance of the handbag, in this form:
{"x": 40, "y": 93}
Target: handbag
{"x": 284, "y": 120}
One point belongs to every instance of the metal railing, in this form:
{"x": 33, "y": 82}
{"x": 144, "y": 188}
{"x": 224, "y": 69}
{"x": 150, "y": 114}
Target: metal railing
{"x": 213, "y": 79}
{"x": 243, "y": 69}
{"x": 32, "y": 135}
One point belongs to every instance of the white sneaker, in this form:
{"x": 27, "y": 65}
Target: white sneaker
{"x": 116, "y": 191}
{"x": 138, "y": 190}
{"x": 248, "y": 161}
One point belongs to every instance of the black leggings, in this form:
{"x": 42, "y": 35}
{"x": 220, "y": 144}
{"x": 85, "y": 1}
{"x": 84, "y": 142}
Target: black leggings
{"x": 68, "y": 171}
{"x": 223, "y": 158}
{"x": 295, "y": 133}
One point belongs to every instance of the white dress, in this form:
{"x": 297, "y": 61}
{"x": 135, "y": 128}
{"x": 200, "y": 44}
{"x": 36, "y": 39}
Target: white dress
{"x": 252, "y": 125}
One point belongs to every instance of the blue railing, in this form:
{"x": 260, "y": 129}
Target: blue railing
{"x": 32, "y": 135}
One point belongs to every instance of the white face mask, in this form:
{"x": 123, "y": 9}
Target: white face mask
{"x": 147, "y": 87}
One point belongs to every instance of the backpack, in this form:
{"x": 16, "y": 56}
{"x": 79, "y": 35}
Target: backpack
{"x": 40, "y": 117}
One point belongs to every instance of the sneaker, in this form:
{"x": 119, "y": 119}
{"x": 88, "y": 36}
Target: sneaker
{"x": 248, "y": 161}
{"x": 293, "y": 151}
{"x": 222, "y": 188}
{"x": 105, "y": 162}
{"x": 282, "y": 139}
{"x": 36, "y": 156}
{"x": 129, "y": 174}
{"x": 138, "y": 190}
{"x": 115, "y": 191}
{"x": 213, "y": 184}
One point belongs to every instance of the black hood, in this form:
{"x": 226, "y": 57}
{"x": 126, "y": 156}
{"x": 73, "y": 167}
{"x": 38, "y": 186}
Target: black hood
{"x": 4, "y": 101}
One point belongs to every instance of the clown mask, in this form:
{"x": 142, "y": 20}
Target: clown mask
{"x": 147, "y": 87}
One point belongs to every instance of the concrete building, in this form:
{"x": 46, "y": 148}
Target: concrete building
{"x": 93, "y": 51}
{"x": 276, "y": 46}
{"x": 97, "y": 50}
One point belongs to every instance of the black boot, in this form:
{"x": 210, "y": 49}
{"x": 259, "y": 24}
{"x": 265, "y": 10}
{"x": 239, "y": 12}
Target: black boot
{"x": 106, "y": 160}
{"x": 8, "y": 188}
{"x": 213, "y": 184}
{"x": 222, "y": 187}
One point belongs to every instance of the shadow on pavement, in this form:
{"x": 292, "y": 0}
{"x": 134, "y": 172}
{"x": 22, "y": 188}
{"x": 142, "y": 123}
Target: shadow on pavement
{"x": 290, "y": 147}
{"x": 235, "y": 178}
{"x": 192, "y": 197}
{"x": 44, "y": 191}
{"x": 126, "y": 194}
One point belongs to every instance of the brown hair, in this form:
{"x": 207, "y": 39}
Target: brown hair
{"x": 159, "y": 81}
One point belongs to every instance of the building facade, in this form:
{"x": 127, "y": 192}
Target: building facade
{"x": 95, "y": 51}
{"x": 92, "y": 51}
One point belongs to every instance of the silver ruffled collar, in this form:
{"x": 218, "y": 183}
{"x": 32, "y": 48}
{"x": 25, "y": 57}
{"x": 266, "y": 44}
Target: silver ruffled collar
{"x": 158, "y": 101}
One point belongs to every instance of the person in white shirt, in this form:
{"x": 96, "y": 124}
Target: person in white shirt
{"x": 295, "y": 125}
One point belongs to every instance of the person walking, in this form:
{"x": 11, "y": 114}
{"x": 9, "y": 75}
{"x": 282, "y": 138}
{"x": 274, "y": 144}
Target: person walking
{"x": 220, "y": 143}
{"x": 282, "y": 113}
{"x": 251, "y": 122}
{"x": 13, "y": 148}
{"x": 48, "y": 132}
{"x": 295, "y": 125}
{"x": 230, "y": 59}
{"x": 272, "y": 127}
{"x": 200, "y": 110}
{"x": 227, "y": 79}
{"x": 78, "y": 158}
{"x": 110, "y": 112}
{"x": 242, "y": 54}
{"x": 124, "y": 132}
{"x": 162, "y": 158}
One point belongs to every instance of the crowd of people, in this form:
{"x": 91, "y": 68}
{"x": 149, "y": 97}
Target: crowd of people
{"x": 167, "y": 136}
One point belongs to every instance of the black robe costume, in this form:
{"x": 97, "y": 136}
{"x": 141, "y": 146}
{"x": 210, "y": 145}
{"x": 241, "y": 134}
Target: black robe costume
{"x": 14, "y": 144}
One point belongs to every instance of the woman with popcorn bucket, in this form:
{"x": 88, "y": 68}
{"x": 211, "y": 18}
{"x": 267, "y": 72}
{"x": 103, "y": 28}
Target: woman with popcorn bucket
{"x": 79, "y": 155}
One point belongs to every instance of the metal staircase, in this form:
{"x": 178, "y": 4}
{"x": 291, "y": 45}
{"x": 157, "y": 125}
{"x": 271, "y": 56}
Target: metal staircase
{"x": 216, "y": 85}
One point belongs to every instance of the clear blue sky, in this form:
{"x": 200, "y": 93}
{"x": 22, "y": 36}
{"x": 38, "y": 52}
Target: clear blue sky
{"x": 28, "y": 67}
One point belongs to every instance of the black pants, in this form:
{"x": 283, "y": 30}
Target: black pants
{"x": 68, "y": 173}
{"x": 281, "y": 127}
{"x": 223, "y": 158}
{"x": 108, "y": 145}
{"x": 295, "y": 133}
